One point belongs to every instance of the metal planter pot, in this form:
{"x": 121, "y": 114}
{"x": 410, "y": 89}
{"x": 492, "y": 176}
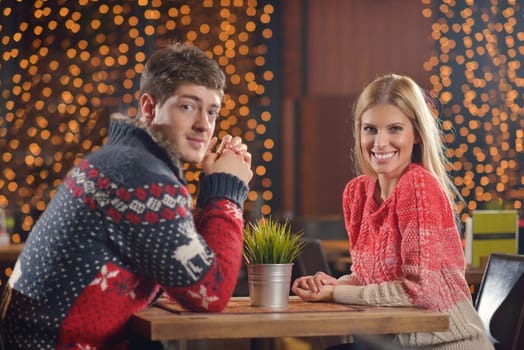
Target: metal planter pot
{"x": 269, "y": 284}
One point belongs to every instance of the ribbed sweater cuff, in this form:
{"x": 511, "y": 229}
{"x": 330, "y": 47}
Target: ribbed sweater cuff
{"x": 347, "y": 294}
{"x": 222, "y": 186}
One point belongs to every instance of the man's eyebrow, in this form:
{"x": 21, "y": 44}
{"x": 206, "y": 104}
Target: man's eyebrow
{"x": 198, "y": 99}
{"x": 192, "y": 97}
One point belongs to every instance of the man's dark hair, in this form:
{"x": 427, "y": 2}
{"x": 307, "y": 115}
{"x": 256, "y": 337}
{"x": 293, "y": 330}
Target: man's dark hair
{"x": 177, "y": 64}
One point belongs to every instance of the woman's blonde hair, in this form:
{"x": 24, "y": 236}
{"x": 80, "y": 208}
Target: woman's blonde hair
{"x": 403, "y": 93}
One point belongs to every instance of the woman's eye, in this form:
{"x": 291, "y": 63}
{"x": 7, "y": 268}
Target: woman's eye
{"x": 368, "y": 129}
{"x": 396, "y": 128}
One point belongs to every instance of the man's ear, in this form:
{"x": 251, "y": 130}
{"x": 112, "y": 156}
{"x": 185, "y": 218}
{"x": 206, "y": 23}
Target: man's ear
{"x": 147, "y": 106}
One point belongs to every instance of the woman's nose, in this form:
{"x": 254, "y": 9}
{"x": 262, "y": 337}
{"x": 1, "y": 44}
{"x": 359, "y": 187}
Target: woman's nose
{"x": 380, "y": 139}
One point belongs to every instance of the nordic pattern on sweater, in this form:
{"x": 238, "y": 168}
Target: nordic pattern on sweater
{"x": 119, "y": 228}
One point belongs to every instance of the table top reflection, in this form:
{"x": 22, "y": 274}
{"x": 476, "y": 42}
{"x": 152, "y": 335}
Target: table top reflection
{"x": 300, "y": 319}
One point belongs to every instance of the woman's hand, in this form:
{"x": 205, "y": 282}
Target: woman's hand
{"x": 318, "y": 287}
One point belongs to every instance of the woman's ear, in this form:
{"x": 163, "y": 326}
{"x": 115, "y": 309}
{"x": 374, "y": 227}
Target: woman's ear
{"x": 417, "y": 139}
{"x": 147, "y": 107}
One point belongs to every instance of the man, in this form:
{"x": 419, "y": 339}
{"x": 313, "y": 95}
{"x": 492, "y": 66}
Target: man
{"x": 121, "y": 229}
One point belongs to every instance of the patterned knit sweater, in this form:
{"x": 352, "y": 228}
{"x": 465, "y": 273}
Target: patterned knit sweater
{"x": 119, "y": 230}
{"x": 407, "y": 252}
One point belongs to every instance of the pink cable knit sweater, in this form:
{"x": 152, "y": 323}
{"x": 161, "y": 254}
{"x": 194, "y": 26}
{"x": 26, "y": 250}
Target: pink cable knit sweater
{"x": 407, "y": 252}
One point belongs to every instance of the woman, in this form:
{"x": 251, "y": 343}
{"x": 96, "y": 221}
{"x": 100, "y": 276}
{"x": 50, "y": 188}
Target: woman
{"x": 405, "y": 245}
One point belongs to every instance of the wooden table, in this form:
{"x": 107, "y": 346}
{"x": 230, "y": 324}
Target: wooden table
{"x": 314, "y": 319}
{"x": 10, "y": 252}
{"x": 335, "y": 246}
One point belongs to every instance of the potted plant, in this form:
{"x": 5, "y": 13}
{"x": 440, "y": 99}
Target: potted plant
{"x": 270, "y": 248}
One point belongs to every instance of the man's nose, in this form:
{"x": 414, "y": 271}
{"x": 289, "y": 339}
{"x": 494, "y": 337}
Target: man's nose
{"x": 203, "y": 121}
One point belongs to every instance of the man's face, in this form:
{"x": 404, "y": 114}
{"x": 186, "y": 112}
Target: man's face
{"x": 187, "y": 120}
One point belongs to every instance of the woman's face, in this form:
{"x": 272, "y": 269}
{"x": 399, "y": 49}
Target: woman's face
{"x": 387, "y": 137}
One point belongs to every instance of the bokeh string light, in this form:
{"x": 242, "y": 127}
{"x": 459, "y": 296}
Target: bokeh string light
{"x": 479, "y": 78}
{"x": 67, "y": 66}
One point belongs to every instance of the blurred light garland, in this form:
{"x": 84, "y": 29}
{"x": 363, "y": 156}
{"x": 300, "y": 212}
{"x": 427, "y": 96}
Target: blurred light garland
{"x": 479, "y": 78}
{"x": 66, "y": 66}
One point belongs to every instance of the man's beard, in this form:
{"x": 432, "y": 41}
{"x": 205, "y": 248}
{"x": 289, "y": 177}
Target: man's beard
{"x": 166, "y": 144}
{"x": 157, "y": 136}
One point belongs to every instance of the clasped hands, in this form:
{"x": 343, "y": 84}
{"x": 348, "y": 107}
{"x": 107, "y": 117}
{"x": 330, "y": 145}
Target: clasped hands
{"x": 231, "y": 156}
{"x": 318, "y": 287}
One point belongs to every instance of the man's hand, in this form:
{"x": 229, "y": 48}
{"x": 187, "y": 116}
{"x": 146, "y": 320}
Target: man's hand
{"x": 231, "y": 157}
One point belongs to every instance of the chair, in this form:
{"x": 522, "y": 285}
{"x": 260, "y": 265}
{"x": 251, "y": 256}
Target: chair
{"x": 500, "y": 301}
{"x": 321, "y": 227}
{"x": 312, "y": 259}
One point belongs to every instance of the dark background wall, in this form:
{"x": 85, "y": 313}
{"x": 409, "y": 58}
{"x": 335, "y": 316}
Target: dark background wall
{"x": 331, "y": 50}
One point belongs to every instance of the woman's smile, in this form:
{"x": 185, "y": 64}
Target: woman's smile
{"x": 383, "y": 156}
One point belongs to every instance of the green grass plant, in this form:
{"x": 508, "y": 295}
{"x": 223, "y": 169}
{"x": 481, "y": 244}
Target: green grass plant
{"x": 268, "y": 241}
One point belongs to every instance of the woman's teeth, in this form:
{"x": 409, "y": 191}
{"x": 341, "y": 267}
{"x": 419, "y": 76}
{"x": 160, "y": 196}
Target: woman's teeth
{"x": 384, "y": 155}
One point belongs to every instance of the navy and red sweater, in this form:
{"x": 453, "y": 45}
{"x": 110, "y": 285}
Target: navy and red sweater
{"x": 119, "y": 230}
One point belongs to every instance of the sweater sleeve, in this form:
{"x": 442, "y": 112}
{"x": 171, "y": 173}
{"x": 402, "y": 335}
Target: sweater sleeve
{"x": 430, "y": 253}
{"x": 210, "y": 262}
{"x": 149, "y": 222}
{"x": 433, "y": 261}
{"x": 354, "y": 192}
{"x": 219, "y": 219}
